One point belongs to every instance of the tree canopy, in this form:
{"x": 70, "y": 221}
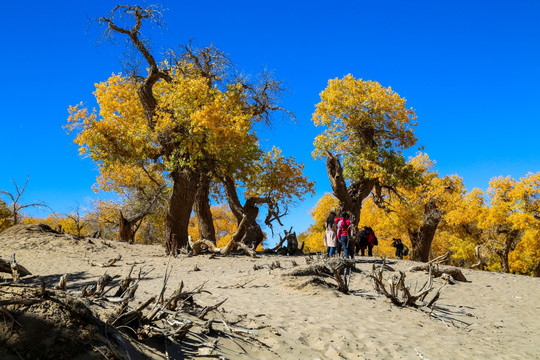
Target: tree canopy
{"x": 188, "y": 123}
{"x": 367, "y": 127}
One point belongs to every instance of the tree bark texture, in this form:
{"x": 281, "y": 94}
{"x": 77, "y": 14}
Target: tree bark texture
{"x": 422, "y": 237}
{"x": 202, "y": 209}
{"x": 184, "y": 188}
{"x": 350, "y": 197}
{"x": 251, "y": 235}
{"x": 125, "y": 232}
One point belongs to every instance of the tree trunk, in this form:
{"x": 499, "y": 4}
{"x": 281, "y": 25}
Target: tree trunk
{"x": 184, "y": 188}
{"x": 202, "y": 210}
{"x": 536, "y": 271}
{"x": 128, "y": 227}
{"x": 252, "y": 235}
{"x": 503, "y": 256}
{"x": 422, "y": 237}
{"x": 513, "y": 237}
{"x": 125, "y": 232}
{"x": 351, "y": 197}
{"x": 15, "y": 215}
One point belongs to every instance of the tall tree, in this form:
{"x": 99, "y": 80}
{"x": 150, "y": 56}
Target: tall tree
{"x": 367, "y": 128}
{"x": 514, "y": 209}
{"x": 421, "y": 208}
{"x": 191, "y": 117}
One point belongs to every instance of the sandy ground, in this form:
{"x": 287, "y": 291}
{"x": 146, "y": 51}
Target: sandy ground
{"x": 491, "y": 316}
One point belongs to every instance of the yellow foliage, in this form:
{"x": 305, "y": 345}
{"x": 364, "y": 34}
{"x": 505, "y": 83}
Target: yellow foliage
{"x": 514, "y": 209}
{"x": 278, "y": 178}
{"x": 57, "y": 222}
{"x": 367, "y": 124}
{"x": 5, "y": 216}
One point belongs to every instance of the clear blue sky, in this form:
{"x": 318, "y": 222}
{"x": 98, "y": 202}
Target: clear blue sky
{"x": 470, "y": 69}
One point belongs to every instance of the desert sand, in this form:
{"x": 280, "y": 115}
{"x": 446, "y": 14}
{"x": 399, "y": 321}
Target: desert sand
{"x": 490, "y": 316}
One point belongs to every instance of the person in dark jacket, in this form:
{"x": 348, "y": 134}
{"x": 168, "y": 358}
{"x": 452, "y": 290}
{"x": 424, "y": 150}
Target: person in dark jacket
{"x": 399, "y": 248}
{"x": 367, "y": 239}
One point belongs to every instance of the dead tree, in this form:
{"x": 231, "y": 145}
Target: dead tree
{"x": 79, "y": 221}
{"x": 14, "y": 268}
{"x": 397, "y": 292}
{"x": 338, "y": 268}
{"x": 435, "y": 268}
{"x": 16, "y": 206}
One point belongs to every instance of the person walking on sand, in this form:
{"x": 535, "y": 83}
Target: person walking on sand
{"x": 399, "y": 248}
{"x": 352, "y": 237}
{"x": 367, "y": 239}
{"x": 330, "y": 236}
{"x": 343, "y": 224}
{"x": 372, "y": 241}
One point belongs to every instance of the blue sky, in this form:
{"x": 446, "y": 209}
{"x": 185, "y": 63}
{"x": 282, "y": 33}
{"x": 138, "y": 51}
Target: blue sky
{"x": 470, "y": 69}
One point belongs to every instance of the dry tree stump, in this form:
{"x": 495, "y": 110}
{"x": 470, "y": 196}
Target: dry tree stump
{"x": 397, "y": 291}
{"x": 339, "y": 268}
{"x": 14, "y": 268}
{"x": 438, "y": 271}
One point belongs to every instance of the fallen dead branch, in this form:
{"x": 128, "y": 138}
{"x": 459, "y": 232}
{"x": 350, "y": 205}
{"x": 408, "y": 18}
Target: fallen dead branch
{"x": 438, "y": 271}
{"x": 109, "y": 262}
{"x": 202, "y": 245}
{"x": 14, "y": 268}
{"x": 339, "y": 268}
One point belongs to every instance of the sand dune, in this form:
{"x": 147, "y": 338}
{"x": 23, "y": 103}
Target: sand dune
{"x": 491, "y": 316}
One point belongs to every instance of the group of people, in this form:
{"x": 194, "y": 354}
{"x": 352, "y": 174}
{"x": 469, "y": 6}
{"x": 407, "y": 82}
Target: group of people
{"x": 341, "y": 234}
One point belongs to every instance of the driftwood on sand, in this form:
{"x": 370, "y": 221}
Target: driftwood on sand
{"x": 121, "y": 331}
{"x": 437, "y": 270}
{"x": 398, "y": 292}
{"x": 204, "y": 245}
{"x": 339, "y": 268}
{"x": 14, "y": 268}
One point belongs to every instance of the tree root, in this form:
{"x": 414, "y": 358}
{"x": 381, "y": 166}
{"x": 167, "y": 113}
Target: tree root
{"x": 397, "y": 292}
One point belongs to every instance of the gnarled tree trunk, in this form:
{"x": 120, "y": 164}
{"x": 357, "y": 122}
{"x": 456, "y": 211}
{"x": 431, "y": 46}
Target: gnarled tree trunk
{"x": 422, "y": 237}
{"x": 536, "y": 271}
{"x": 202, "y": 209}
{"x": 513, "y": 237}
{"x": 126, "y": 231}
{"x": 350, "y": 197}
{"x": 252, "y": 234}
{"x": 184, "y": 188}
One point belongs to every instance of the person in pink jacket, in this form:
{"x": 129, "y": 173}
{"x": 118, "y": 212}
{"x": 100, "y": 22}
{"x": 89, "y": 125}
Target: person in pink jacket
{"x": 343, "y": 224}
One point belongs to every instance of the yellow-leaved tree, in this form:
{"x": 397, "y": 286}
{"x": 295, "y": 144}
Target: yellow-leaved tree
{"x": 416, "y": 210}
{"x": 274, "y": 182}
{"x": 189, "y": 118}
{"x": 513, "y": 217}
{"x": 367, "y": 126}
{"x": 422, "y": 208}
{"x": 460, "y": 232}
{"x": 5, "y": 215}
